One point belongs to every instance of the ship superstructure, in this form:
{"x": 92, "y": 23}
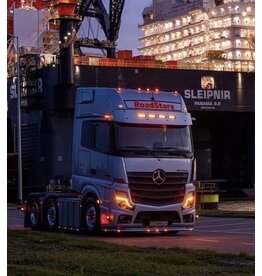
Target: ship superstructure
{"x": 218, "y": 34}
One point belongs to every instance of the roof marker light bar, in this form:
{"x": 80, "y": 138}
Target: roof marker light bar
{"x": 147, "y": 90}
{"x": 155, "y": 116}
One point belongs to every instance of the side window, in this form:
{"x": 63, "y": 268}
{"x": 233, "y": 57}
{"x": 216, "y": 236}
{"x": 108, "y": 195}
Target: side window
{"x": 102, "y": 137}
{"x": 87, "y": 134}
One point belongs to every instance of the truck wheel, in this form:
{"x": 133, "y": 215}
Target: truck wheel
{"x": 34, "y": 214}
{"x": 51, "y": 214}
{"x": 91, "y": 215}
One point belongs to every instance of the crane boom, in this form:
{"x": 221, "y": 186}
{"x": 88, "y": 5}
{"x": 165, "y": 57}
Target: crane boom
{"x": 109, "y": 21}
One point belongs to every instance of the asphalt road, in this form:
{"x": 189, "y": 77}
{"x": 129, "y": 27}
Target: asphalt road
{"x": 231, "y": 235}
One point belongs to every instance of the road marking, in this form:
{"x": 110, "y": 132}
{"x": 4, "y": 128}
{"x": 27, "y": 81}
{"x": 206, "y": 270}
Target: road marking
{"x": 227, "y": 224}
{"x": 16, "y": 219}
{"x": 225, "y": 232}
{"x": 205, "y": 240}
{"x": 15, "y": 226}
{"x": 205, "y": 219}
{"x": 247, "y": 228}
{"x": 248, "y": 243}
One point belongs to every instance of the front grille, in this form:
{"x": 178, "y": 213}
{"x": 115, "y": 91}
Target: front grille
{"x": 144, "y": 191}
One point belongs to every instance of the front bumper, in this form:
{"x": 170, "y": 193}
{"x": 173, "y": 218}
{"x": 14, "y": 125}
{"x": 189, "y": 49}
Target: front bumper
{"x": 148, "y": 218}
{"x": 168, "y": 229}
{"x": 151, "y": 219}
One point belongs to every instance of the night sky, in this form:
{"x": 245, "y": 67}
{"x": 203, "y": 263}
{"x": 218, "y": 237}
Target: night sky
{"x": 131, "y": 18}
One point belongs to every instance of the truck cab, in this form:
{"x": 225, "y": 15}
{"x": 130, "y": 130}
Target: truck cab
{"x": 133, "y": 165}
{"x": 133, "y": 160}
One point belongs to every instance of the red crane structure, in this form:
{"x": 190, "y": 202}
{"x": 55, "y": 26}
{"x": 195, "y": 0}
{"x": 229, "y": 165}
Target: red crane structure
{"x": 109, "y": 18}
{"x": 67, "y": 16}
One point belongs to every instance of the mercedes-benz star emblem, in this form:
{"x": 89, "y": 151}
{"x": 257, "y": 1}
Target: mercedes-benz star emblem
{"x": 159, "y": 177}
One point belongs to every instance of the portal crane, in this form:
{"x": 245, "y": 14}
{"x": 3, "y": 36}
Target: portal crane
{"x": 110, "y": 22}
{"x": 70, "y": 14}
{"x": 74, "y": 11}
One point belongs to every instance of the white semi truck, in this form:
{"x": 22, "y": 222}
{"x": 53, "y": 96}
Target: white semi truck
{"x": 133, "y": 166}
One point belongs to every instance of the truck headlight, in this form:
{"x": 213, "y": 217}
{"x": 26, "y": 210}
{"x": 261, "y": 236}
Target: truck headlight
{"x": 122, "y": 200}
{"x": 189, "y": 201}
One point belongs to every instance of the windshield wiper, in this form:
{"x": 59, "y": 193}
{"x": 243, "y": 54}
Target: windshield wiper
{"x": 176, "y": 151}
{"x": 140, "y": 150}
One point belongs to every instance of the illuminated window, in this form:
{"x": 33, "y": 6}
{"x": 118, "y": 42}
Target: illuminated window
{"x": 236, "y": 20}
{"x": 247, "y": 54}
{"x": 238, "y": 53}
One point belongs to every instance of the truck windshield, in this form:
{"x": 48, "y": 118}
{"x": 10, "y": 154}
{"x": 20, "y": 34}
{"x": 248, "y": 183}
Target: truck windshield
{"x": 154, "y": 139}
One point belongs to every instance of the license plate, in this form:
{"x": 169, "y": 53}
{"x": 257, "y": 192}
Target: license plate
{"x": 158, "y": 223}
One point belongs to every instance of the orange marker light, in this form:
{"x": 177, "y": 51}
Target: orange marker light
{"x": 108, "y": 117}
{"x": 189, "y": 201}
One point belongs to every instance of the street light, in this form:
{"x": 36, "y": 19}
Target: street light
{"x": 19, "y": 136}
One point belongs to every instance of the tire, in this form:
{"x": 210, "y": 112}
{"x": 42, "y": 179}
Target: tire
{"x": 34, "y": 216}
{"x": 91, "y": 216}
{"x": 51, "y": 215}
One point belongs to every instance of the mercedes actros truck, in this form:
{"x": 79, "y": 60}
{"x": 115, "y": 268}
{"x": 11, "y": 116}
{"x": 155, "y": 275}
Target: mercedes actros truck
{"x": 132, "y": 166}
